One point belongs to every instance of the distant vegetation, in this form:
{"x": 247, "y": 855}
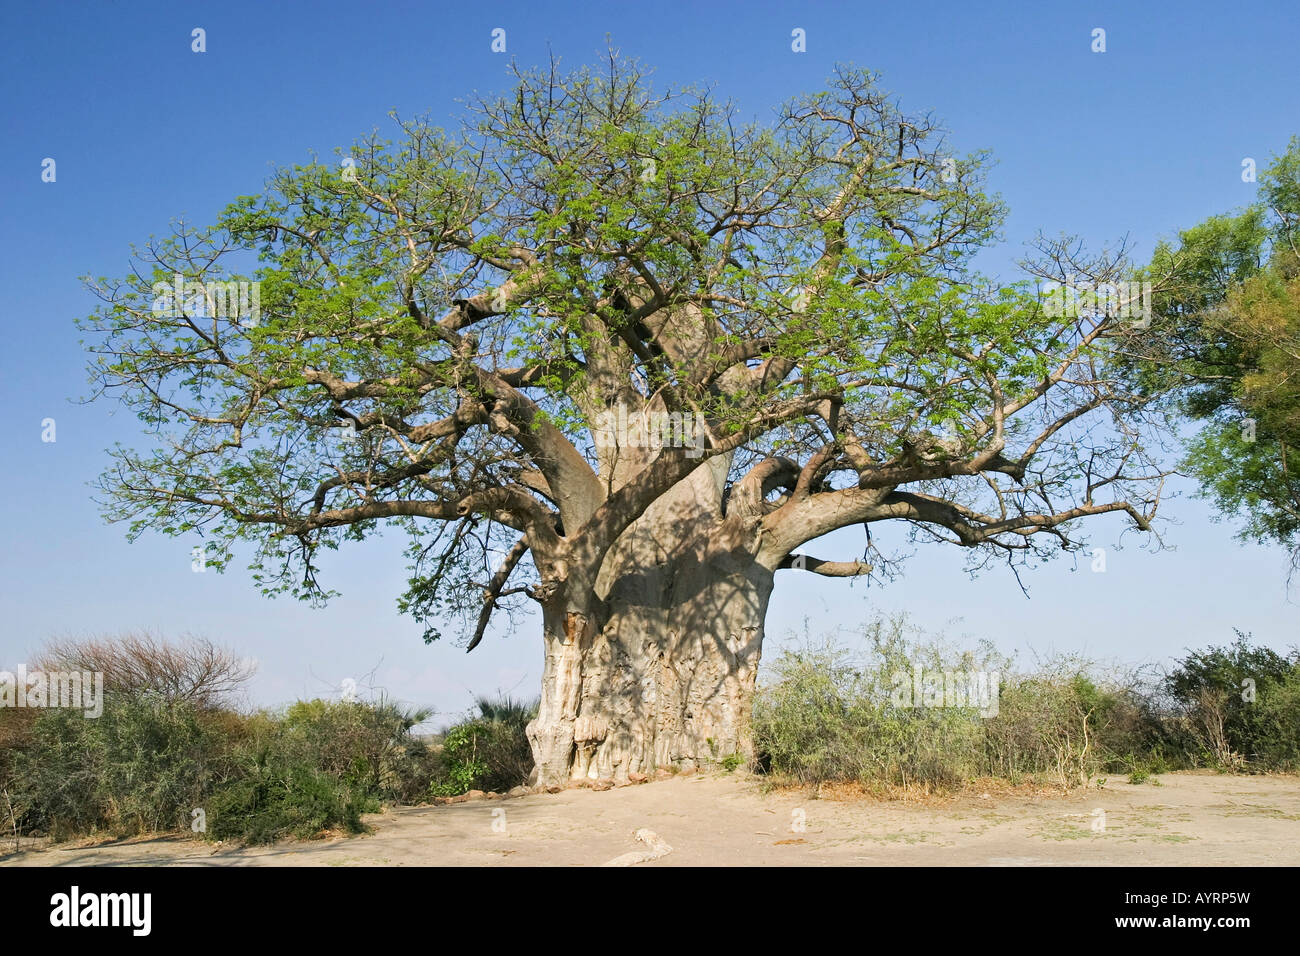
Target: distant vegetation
{"x": 827, "y": 714}
{"x": 172, "y": 751}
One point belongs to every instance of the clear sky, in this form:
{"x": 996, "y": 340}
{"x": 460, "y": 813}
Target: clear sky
{"x": 1141, "y": 140}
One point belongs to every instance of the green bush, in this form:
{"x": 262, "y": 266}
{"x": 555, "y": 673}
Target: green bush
{"x": 150, "y": 760}
{"x": 1059, "y": 723}
{"x": 319, "y": 767}
{"x": 828, "y": 714}
{"x": 1276, "y": 744}
{"x": 1225, "y": 726}
{"x": 15, "y": 739}
{"x": 275, "y": 799}
{"x": 825, "y": 714}
{"x": 147, "y": 763}
{"x": 488, "y": 752}
{"x": 141, "y": 766}
{"x": 366, "y": 744}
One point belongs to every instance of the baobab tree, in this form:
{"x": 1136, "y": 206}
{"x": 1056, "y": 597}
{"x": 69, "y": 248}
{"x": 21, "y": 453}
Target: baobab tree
{"x": 616, "y": 352}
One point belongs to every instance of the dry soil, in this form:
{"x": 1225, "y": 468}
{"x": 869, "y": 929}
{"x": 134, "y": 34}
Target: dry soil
{"x": 1189, "y": 818}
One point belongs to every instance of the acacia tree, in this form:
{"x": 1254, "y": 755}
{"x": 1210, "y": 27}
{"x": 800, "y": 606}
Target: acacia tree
{"x": 454, "y": 330}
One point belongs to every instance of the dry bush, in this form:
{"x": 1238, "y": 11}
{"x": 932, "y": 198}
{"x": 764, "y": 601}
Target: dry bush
{"x": 1211, "y": 717}
{"x": 193, "y": 670}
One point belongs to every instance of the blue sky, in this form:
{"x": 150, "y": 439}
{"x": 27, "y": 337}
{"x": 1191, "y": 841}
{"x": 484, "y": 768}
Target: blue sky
{"x": 1140, "y": 140}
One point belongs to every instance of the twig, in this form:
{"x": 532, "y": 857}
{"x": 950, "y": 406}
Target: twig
{"x": 13, "y": 821}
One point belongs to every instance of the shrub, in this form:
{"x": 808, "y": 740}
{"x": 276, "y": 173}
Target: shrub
{"x": 368, "y": 744}
{"x": 1053, "y": 723}
{"x": 141, "y": 766}
{"x": 321, "y": 766}
{"x": 828, "y": 714}
{"x": 1224, "y": 725}
{"x": 147, "y": 762}
{"x": 486, "y": 752}
{"x": 15, "y": 737}
{"x": 276, "y": 797}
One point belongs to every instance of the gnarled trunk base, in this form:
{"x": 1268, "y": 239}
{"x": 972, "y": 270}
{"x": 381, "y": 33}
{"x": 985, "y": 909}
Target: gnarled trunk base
{"x": 661, "y": 676}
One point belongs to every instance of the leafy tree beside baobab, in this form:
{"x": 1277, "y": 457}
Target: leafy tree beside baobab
{"x": 454, "y": 327}
{"x": 1228, "y": 323}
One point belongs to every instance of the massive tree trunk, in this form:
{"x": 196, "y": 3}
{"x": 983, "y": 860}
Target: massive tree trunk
{"x": 656, "y": 666}
{"x": 662, "y": 676}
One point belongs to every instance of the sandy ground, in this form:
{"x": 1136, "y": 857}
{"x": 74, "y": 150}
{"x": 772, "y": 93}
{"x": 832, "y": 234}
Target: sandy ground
{"x": 1190, "y": 818}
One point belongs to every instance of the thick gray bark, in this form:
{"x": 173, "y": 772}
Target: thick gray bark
{"x": 656, "y": 667}
{"x": 663, "y": 677}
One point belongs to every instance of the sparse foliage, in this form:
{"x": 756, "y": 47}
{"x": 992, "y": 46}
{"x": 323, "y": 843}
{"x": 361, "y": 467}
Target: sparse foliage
{"x": 193, "y": 670}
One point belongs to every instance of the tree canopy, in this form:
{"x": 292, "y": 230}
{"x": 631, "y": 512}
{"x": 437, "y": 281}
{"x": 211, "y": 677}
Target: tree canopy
{"x": 1231, "y": 325}
{"x": 444, "y": 319}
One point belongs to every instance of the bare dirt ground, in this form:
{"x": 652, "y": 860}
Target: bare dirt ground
{"x": 1189, "y": 819}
